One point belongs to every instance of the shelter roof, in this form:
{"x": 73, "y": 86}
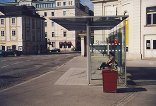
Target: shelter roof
{"x": 95, "y": 22}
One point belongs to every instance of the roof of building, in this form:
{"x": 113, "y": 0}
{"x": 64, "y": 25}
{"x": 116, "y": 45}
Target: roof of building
{"x": 85, "y": 9}
{"x": 14, "y": 11}
{"x": 95, "y": 22}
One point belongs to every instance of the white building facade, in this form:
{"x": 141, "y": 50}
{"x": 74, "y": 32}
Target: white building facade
{"x": 141, "y": 24}
{"x": 23, "y": 31}
{"x": 56, "y": 35}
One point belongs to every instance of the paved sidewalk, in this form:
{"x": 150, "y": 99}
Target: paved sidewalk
{"x": 73, "y": 76}
{"x": 66, "y": 86}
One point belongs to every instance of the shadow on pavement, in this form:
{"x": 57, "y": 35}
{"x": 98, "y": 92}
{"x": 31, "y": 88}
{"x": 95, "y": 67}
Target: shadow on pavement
{"x": 140, "y": 76}
{"x": 128, "y": 90}
{"x": 8, "y": 77}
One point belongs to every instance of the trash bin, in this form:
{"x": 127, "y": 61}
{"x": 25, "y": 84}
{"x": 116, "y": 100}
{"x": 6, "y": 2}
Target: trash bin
{"x": 109, "y": 80}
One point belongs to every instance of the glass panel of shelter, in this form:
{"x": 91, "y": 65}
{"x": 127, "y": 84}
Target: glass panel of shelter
{"x": 99, "y": 51}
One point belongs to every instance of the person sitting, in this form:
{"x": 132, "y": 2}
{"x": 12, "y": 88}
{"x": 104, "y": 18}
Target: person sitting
{"x": 111, "y": 61}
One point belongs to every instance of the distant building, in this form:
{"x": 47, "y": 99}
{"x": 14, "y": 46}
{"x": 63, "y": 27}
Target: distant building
{"x": 56, "y": 35}
{"x": 140, "y": 26}
{"x": 21, "y": 28}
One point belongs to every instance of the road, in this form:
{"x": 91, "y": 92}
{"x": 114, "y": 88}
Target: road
{"x": 14, "y": 70}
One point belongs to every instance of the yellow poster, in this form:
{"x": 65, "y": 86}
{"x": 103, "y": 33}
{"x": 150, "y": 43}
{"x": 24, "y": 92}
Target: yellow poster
{"x": 126, "y": 31}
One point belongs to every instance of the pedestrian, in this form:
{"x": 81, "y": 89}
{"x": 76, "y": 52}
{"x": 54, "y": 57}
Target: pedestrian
{"x": 109, "y": 64}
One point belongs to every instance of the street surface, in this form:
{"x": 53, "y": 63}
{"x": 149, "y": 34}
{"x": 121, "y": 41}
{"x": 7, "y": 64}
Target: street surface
{"x": 44, "y": 91}
{"x": 14, "y": 70}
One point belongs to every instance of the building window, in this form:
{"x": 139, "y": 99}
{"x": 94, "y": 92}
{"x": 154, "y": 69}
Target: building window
{"x": 33, "y": 37}
{"x": 52, "y": 5}
{"x": 27, "y": 21}
{"x": 65, "y": 44}
{"x": 70, "y": 2}
{"x": 37, "y": 5}
{"x": 45, "y": 13}
{"x": 64, "y": 13}
{"x": 20, "y": 48}
{"x": 58, "y": 3}
{"x": 2, "y": 33}
{"x": 13, "y": 21}
{"x": 154, "y": 18}
{"x": 53, "y": 34}
{"x": 2, "y": 21}
{"x": 2, "y": 47}
{"x": 45, "y": 5}
{"x": 52, "y": 23}
{"x": 13, "y": 33}
{"x": 53, "y": 44}
{"x": 151, "y": 15}
{"x": 69, "y": 44}
{"x": 33, "y": 23}
{"x": 154, "y": 44}
{"x": 52, "y": 13}
{"x": 45, "y": 24}
{"x": 8, "y": 47}
{"x": 148, "y": 18}
{"x": 41, "y": 5}
{"x": 64, "y": 3}
{"x": 45, "y": 34}
{"x": 148, "y": 44}
{"x": 14, "y": 47}
{"x": 49, "y": 5}
{"x": 60, "y": 44}
{"x": 64, "y": 34}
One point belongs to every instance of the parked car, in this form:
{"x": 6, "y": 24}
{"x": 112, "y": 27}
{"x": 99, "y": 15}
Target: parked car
{"x": 55, "y": 50}
{"x": 13, "y": 52}
{"x": 3, "y": 53}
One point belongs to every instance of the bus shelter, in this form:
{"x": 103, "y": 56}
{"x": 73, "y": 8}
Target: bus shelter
{"x": 104, "y": 34}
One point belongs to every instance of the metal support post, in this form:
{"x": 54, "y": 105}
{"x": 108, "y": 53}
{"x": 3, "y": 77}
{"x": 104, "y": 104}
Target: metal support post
{"x": 88, "y": 54}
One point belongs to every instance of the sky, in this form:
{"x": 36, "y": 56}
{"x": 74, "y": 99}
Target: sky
{"x": 87, "y": 3}
{"x": 2, "y": 1}
{"x": 84, "y": 2}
